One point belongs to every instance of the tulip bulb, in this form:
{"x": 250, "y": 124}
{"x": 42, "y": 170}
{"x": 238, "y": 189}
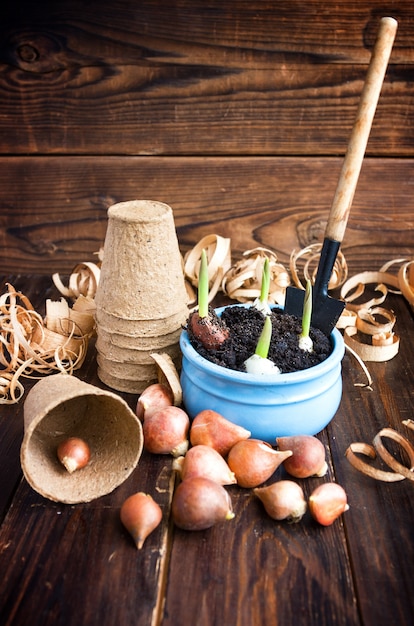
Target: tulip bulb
{"x": 73, "y": 453}
{"x": 204, "y": 461}
{"x": 283, "y": 500}
{"x": 199, "y": 503}
{"x": 212, "y": 429}
{"x": 154, "y": 397}
{"x": 254, "y": 461}
{"x": 308, "y": 456}
{"x": 166, "y": 431}
{"x": 140, "y": 515}
{"x": 327, "y": 502}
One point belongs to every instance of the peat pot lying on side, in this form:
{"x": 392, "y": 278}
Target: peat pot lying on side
{"x": 269, "y": 406}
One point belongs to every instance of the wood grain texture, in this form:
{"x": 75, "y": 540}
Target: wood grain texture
{"x": 194, "y": 78}
{"x": 383, "y": 552}
{"x": 236, "y": 114}
{"x": 54, "y": 210}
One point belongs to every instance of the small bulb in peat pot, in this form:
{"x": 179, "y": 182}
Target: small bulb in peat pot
{"x": 199, "y": 503}
{"x": 327, "y": 502}
{"x": 254, "y": 461}
{"x": 283, "y": 500}
{"x": 73, "y": 453}
{"x": 166, "y": 431}
{"x": 140, "y": 515}
{"x": 308, "y": 455}
{"x": 154, "y": 397}
{"x": 202, "y": 460}
{"x": 212, "y": 429}
{"x": 205, "y": 325}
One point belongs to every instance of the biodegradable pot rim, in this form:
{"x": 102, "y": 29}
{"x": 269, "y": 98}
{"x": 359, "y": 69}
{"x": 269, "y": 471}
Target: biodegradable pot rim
{"x": 60, "y": 406}
{"x": 338, "y": 349}
{"x": 123, "y": 211}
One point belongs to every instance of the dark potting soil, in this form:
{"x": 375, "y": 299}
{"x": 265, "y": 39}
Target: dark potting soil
{"x": 245, "y": 325}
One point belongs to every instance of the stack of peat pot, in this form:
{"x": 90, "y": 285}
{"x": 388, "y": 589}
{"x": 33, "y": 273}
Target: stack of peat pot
{"x": 141, "y": 300}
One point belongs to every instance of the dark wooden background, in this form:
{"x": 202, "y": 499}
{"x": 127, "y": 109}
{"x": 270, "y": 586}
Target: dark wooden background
{"x": 237, "y": 114}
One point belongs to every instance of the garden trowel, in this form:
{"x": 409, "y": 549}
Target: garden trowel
{"x": 325, "y": 309}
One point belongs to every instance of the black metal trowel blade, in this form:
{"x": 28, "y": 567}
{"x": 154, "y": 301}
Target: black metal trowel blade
{"x": 325, "y": 310}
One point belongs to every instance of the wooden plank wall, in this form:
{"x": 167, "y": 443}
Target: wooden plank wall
{"x": 237, "y": 114}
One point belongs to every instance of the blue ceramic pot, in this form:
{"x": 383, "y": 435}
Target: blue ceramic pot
{"x": 295, "y": 403}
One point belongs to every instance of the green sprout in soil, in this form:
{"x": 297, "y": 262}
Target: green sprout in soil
{"x": 258, "y": 363}
{"x": 204, "y": 323}
{"x": 305, "y": 342}
{"x": 203, "y": 286}
{"x": 261, "y": 303}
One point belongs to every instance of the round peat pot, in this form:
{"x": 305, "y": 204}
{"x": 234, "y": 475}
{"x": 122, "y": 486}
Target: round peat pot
{"x": 269, "y": 406}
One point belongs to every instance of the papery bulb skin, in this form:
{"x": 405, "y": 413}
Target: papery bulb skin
{"x": 283, "y": 500}
{"x": 140, "y": 515}
{"x": 327, "y": 502}
{"x": 202, "y": 460}
{"x": 199, "y": 503}
{"x": 166, "y": 431}
{"x": 308, "y": 456}
{"x": 73, "y": 453}
{"x": 212, "y": 429}
{"x": 254, "y": 461}
{"x": 154, "y": 397}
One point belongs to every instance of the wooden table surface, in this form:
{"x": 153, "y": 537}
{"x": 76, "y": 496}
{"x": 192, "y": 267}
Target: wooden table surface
{"x": 75, "y": 564}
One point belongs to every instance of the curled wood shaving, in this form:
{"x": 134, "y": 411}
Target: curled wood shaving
{"x": 378, "y": 351}
{"x": 354, "y": 288}
{"x": 384, "y": 344}
{"x": 79, "y": 320}
{"x": 83, "y": 280}
{"x": 218, "y": 251}
{"x": 28, "y": 348}
{"x": 306, "y": 261}
{"x": 399, "y": 472}
{"x": 363, "y": 367}
{"x": 347, "y": 318}
{"x": 388, "y": 458}
{"x": 242, "y": 282}
{"x": 374, "y": 472}
{"x": 368, "y": 324}
{"x": 406, "y": 281}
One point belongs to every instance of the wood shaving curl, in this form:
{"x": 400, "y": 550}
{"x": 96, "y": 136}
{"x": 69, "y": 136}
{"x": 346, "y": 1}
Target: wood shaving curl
{"x": 364, "y": 334}
{"x": 399, "y": 471}
{"x": 406, "y": 281}
{"x": 383, "y": 347}
{"x": 28, "y": 348}
{"x": 218, "y": 251}
{"x": 354, "y": 288}
{"x": 83, "y": 281}
{"x": 306, "y": 261}
{"x": 242, "y": 282}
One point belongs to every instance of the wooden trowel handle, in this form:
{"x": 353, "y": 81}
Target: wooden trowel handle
{"x": 351, "y": 167}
